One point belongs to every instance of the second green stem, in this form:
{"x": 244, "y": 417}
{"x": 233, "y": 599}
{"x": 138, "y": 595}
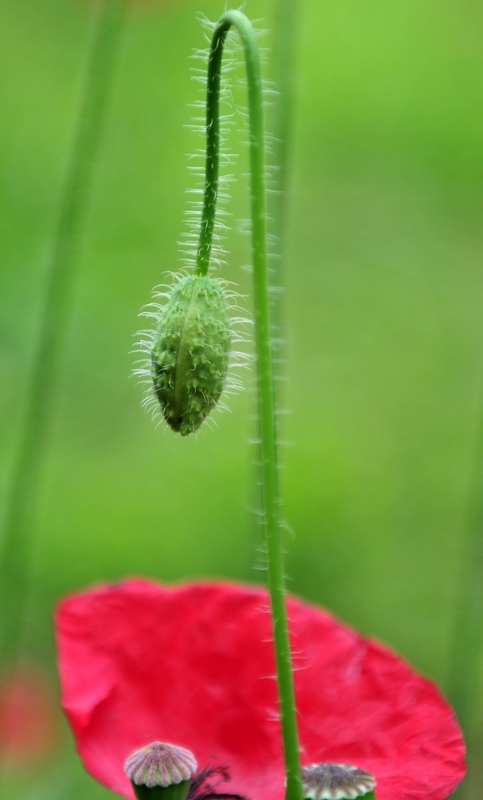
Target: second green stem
{"x": 271, "y": 495}
{"x": 23, "y": 496}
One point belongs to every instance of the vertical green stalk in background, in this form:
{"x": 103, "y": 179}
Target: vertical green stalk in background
{"x": 21, "y": 504}
{"x": 263, "y": 344}
{"x": 466, "y": 645}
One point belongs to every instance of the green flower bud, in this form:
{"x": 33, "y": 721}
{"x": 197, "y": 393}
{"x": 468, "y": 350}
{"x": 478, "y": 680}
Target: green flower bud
{"x": 190, "y": 351}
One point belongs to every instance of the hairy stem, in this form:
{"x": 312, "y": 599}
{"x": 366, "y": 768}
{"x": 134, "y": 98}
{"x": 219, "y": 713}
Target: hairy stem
{"x": 21, "y": 503}
{"x": 271, "y": 496}
{"x": 284, "y": 34}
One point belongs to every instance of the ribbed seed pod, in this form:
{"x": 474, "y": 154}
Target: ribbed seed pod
{"x": 161, "y": 771}
{"x": 190, "y": 352}
{"x": 337, "y": 782}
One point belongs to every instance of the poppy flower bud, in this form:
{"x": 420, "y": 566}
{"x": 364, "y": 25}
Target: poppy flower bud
{"x": 189, "y": 356}
{"x": 336, "y": 782}
{"x": 161, "y": 771}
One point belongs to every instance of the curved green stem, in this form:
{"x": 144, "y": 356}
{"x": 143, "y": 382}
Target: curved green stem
{"x": 271, "y": 497}
{"x": 15, "y": 561}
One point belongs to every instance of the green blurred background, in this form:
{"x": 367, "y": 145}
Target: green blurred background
{"x": 383, "y": 310}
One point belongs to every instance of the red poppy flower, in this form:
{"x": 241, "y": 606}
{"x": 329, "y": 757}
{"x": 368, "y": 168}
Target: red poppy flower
{"x": 193, "y": 665}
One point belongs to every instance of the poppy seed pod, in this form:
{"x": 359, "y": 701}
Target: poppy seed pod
{"x": 336, "y": 782}
{"x": 161, "y": 771}
{"x": 191, "y": 347}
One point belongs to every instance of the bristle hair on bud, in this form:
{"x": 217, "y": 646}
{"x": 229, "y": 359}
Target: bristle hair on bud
{"x": 336, "y": 782}
{"x": 160, "y": 764}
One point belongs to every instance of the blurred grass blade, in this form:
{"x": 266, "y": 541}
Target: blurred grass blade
{"x": 466, "y": 644}
{"x": 20, "y": 514}
{"x": 468, "y": 631}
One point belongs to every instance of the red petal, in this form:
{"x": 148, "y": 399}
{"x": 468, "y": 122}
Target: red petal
{"x": 193, "y": 665}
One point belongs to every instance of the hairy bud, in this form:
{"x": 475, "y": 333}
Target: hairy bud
{"x": 191, "y": 347}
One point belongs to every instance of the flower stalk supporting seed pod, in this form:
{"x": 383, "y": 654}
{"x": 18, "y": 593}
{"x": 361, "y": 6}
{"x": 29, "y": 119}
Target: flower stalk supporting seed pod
{"x": 271, "y": 498}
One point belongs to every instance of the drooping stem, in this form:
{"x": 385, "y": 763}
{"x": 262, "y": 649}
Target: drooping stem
{"x": 20, "y": 513}
{"x": 271, "y": 497}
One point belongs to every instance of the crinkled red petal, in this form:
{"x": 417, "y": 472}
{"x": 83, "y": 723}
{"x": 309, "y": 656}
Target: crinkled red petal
{"x": 193, "y": 665}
